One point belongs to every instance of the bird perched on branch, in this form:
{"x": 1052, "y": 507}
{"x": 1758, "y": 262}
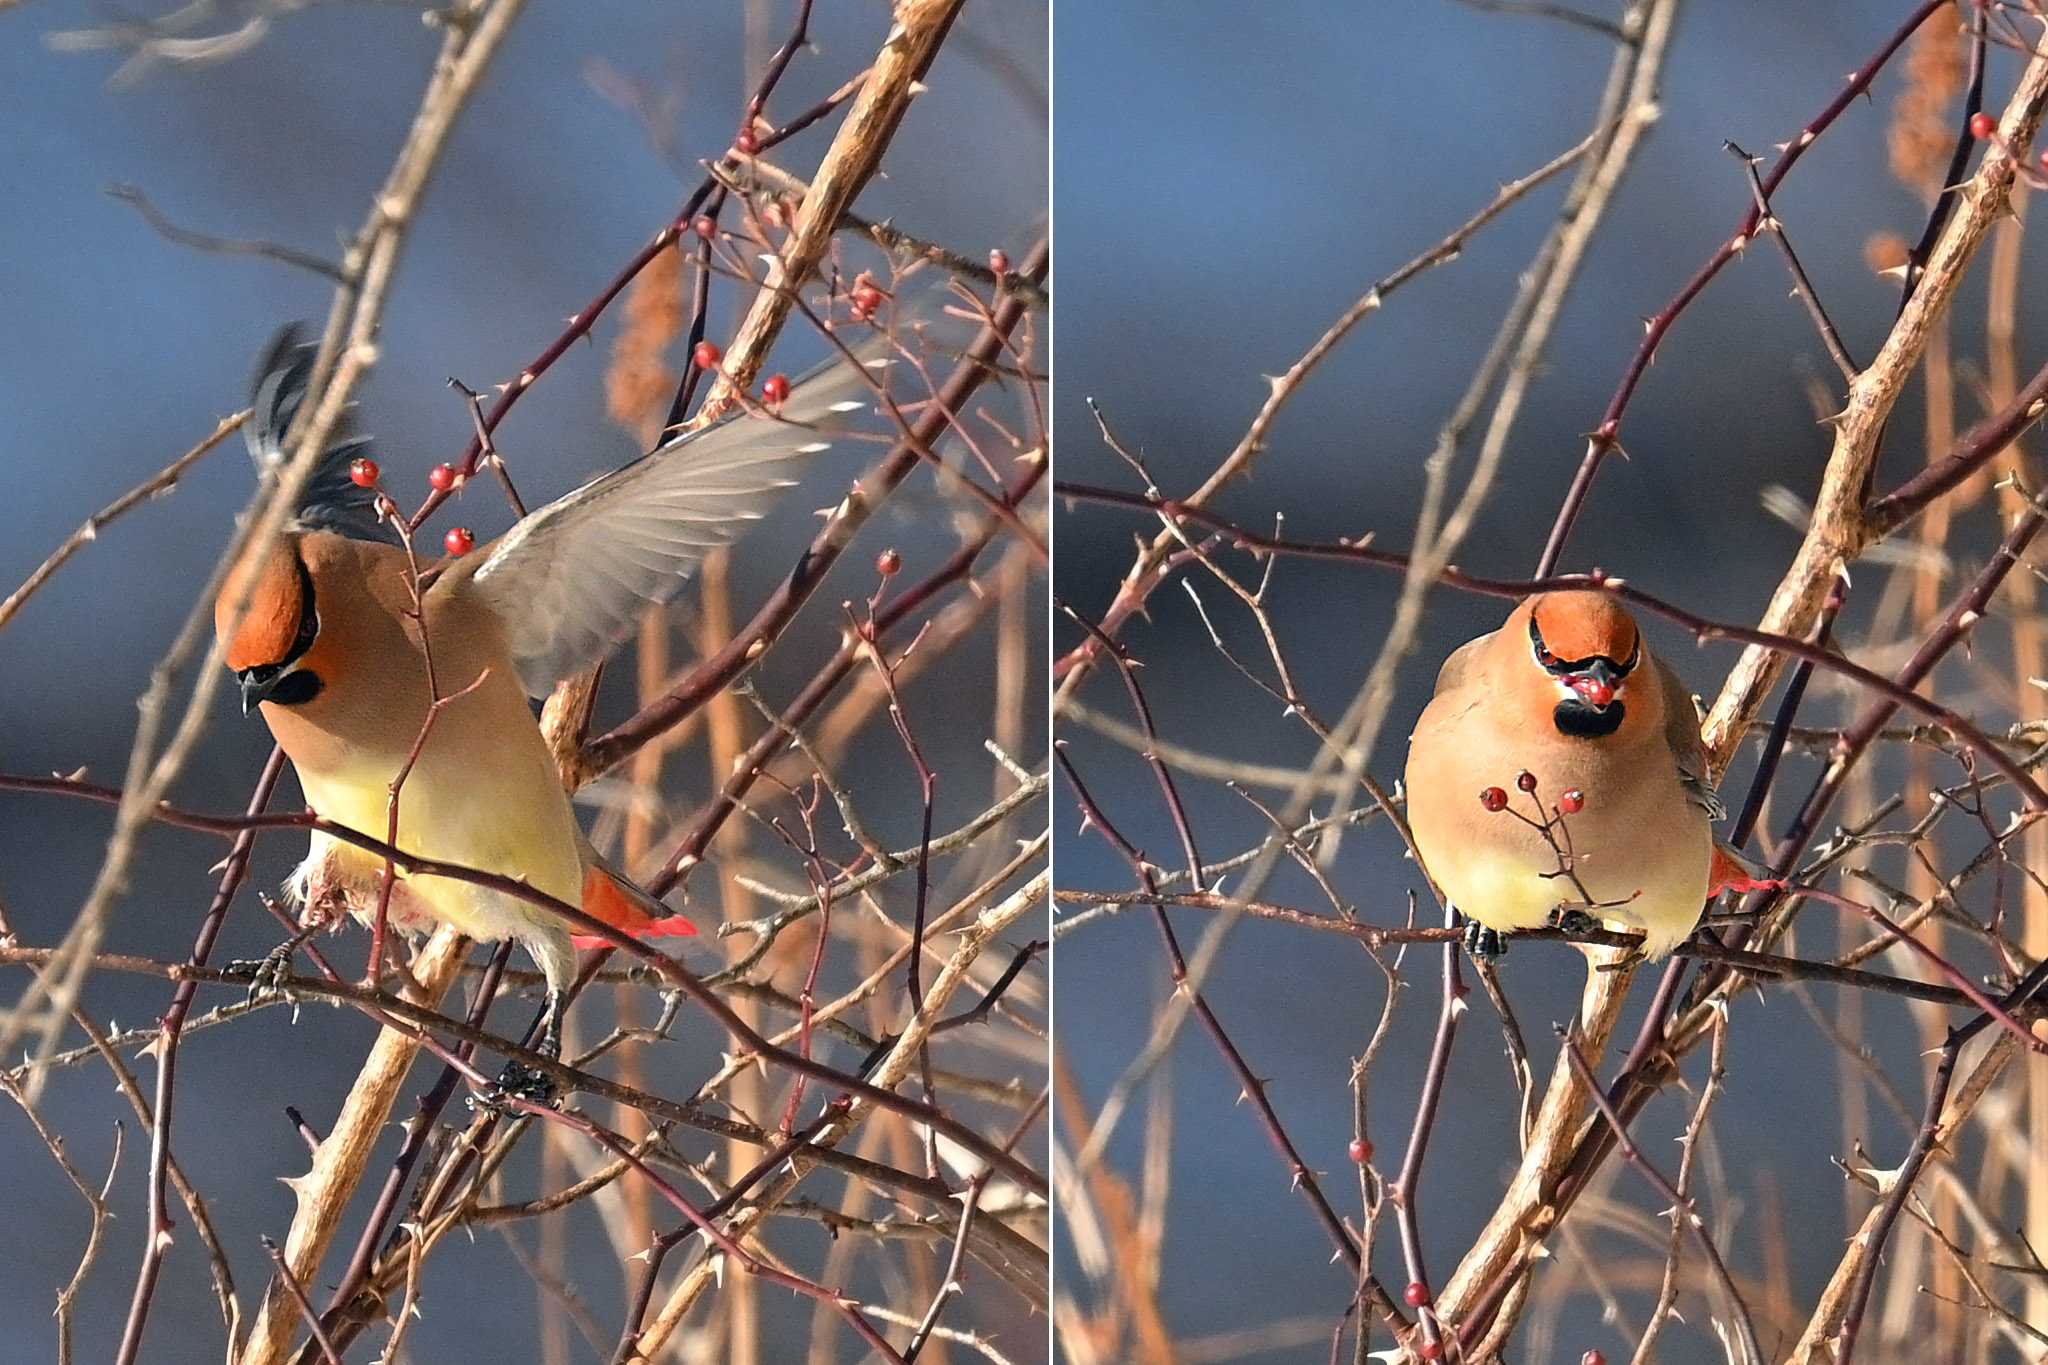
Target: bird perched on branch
{"x": 345, "y": 647}
{"x": 1558, "y": 776}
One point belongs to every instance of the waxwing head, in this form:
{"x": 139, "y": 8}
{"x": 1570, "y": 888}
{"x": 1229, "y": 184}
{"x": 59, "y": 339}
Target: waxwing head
{"x": 267, "y": 646}
{"x": 1583, "y": 659}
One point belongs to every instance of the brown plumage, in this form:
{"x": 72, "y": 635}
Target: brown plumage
{"x": 330, "y": 650}
{"x": 1567, "y": 692}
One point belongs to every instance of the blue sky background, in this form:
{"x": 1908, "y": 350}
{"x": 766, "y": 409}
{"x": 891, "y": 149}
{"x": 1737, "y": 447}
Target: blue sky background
{"x": 1228, "y": 178}
{"x": 122, "y": 349}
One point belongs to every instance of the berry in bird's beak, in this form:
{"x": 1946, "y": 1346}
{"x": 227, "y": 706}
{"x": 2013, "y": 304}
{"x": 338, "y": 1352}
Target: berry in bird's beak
{"x": 1593, "y": 689}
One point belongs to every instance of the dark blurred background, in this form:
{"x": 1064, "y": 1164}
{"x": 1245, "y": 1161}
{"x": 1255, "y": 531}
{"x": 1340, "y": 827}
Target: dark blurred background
{"x": 122, "y": 349}
{"x": 1228, "y": 179}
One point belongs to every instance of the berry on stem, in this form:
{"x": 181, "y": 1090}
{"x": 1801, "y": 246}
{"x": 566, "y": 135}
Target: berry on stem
{"x": 775, "y": 390}
{"x": 1593, "y": 1357}
{"x": 706, "y": 355}
{"x": 1572, "y": 802}
{"x": 1361, "y": 1150}
{"x": 1417, "y": 1294}
{"x": 441, "y": 478}
{"x": 1494, "y": 799}
{"x": 1526, "y": 780}
{"x": 888, "y": 563}
{"x": 866, "y": 299}
{"x": 1982, "y": 125}
{"x": 704, "y": 227}
{"x": 459, "y": 541}
{"x": 1430, "y": 1350}
{"x": 363, "y": 473}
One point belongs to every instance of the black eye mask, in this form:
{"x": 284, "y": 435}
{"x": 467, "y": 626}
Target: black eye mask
{"x": 280, "y": 682}
{"x": 1576, "y": 716}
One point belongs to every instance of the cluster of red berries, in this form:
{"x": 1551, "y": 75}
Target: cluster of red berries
{"x": 1495, "y": 799}
{"x": 865, "y": 300}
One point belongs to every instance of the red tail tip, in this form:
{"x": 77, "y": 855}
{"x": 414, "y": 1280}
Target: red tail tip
{"x": 672, "y": 926}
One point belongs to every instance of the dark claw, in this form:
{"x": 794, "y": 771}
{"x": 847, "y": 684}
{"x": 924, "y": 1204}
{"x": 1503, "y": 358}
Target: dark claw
{"x": 516, "y": 1082}
{"x": 266, "y": 975}
{"x": 1573, "y": 920}
{"x": 1483, "y": 943}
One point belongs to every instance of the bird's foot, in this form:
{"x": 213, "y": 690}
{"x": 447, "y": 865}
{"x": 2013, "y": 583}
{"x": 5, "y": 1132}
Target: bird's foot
{"x": 516, "y": 1082}
{"x": 266, "y": 975}
{"x": 1483, "y": 943}
{"x": 1573, "y": 920}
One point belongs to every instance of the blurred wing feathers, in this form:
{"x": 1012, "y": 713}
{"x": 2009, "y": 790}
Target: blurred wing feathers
{"x": 569, "y": 582}
{"x": 330, "y": 501}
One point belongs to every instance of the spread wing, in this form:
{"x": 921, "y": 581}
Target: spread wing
{"x": 568, "y": 582}
{"x": 1682, "y": 733}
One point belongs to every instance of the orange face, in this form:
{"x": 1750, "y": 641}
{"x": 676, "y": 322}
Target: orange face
{"x": 276, "y": 628}
{"x": 1586, "y": 645}
{"x": 277, "y": 608}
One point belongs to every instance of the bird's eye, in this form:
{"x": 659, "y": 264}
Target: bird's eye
{"x": 1545, "y": 657}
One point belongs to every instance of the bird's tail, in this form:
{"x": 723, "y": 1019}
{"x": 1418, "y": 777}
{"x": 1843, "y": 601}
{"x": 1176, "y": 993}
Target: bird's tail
{"x": 1733, "y": 871}
{"x": 611, "y": 896}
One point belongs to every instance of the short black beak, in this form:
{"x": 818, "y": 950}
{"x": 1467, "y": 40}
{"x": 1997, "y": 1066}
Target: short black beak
{"x": 257, "y": 683}
{"x": 1595, "y": 684}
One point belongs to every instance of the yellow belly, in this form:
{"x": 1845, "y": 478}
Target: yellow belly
{"x": 526, "y": 835}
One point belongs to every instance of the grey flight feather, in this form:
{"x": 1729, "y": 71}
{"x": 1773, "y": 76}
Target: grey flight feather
{"x": 569, "y": 581}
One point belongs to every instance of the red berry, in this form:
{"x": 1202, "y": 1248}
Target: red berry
{"x": 888, "y": 563}
{"x": 999, "y": 261}
{"x": 1430, "y": 1350}
{"x": 441, "y": 477}
{"x": 747, "y": 142}
{"x": 707, "y": 355}
{"x": 1494, "y": 799}
{"x": 704, "y": 227}
{"x": 1982, "y": 125}
{"x": 1361, "y": 1151}
{"x": 2044, "y": 163}
{"x": 1417, "y": 1294}
{"x": 1593, "y": 1358}
{"x": 775, "y": 389}
{"x": 363, "y": 473}
{"x": 458, "y": 540}
{"x": 866, "y": 298}
{"x": 1526, "y": 780}
{"x": 1572, "y": 802}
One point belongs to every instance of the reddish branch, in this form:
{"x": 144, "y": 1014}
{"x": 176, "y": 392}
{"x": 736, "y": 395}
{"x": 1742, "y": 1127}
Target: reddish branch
{"x": 1254, "y": 1089}
{"x": 714, "y": 674}
{"x": 157, "y": 1234}
{"x": 667, "y": 968}
{"x": 1702, "y": 628}
{"x": 1606, "y": 437}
